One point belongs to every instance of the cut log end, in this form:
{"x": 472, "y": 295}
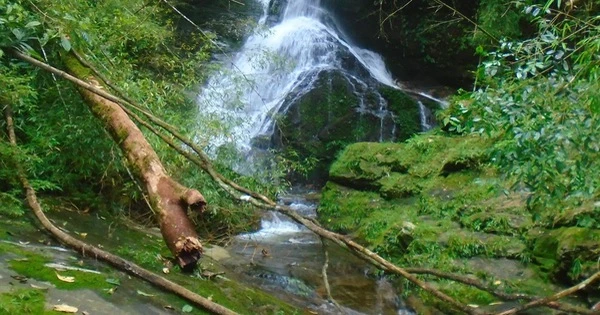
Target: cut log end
{"x": 189, "y": 251}
{"x": 194, "y": 200}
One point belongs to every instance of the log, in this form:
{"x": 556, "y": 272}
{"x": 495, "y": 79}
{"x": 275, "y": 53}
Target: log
{"x": 169, "y": 199}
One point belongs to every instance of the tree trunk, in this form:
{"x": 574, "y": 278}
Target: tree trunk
{"x": 169, "y": 199}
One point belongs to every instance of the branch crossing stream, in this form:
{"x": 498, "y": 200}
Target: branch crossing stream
{"x": 287, "y": 259}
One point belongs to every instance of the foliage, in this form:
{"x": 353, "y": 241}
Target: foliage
{"x": 501, "y": 19}
{"x": 23, "y": 301}
{"x": 142, "y": 48}
{"x": 539, "y": 98}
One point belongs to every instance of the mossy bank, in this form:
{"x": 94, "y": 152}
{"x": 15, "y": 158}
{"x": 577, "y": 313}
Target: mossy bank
{"x": 29, "y": 259}
{"x": 436, "y": 201}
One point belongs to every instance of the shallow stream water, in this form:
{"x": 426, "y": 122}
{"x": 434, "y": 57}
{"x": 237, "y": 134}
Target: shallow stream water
{"x": 284, "y": 256}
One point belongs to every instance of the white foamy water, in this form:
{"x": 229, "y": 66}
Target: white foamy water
{"x": 274, "y": 62}
{"x": 271, "y": 64}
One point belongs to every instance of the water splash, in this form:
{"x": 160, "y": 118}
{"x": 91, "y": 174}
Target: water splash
{"x": 273, "y": 63}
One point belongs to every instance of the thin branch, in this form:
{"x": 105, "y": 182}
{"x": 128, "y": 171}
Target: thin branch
{"x": 557, "y": 296}
{"x": 394, "y": 13}
{"x": 571, "y": 309}
{"x": 324, "y": 275}
{"x": 217, "y": 46}
{"x": 468, "y": 19}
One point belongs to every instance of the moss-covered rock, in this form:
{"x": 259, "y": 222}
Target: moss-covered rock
{"x": 435, "y": 202}
{"x": 406, "y": 112}
{"x": 364, "y": 165}
{"x": 338, "y": 110}
{"x": 398, "y": 186}
{"x": 565, "y": 251}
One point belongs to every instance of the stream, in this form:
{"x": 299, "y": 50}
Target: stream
{"x": 285, "y": 256}
{"x": 294, "y": 42}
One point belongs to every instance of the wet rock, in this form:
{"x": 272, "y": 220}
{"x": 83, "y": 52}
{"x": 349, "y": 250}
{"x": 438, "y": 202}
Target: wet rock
{"x": 569, "y": 253}
{"x": 339, "y": 110}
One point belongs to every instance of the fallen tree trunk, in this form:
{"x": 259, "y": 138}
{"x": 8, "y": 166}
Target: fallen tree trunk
{"x": 89, "y": 250}
{"x": 169, "y": 199}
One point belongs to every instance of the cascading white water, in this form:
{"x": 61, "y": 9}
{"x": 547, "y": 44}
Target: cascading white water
{"x": 272, "y": 63}
{"x": 423, "y": 116}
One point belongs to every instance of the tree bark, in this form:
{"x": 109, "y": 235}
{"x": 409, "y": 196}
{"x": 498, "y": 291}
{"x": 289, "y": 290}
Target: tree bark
{"x": 169, "y": 199}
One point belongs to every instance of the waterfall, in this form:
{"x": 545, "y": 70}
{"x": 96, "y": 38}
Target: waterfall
{"x": 424, "y": 112}
{"x": 282, "y": 60}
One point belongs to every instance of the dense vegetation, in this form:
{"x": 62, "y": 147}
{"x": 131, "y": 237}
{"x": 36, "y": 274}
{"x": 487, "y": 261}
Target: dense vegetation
{"x": 145, "y": 51}
{"x": 539, "y": 99}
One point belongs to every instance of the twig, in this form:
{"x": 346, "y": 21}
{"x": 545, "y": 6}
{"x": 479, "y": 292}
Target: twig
{"x": 468, "y": 19}
{"x": 571, "y": 309}
{"x": 86, "y": 249}
{"x": 324, "y": 274}
{"x": 557, "y": 296}
{"x": 217, "y": 46}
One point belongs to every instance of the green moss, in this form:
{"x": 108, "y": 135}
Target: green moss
{"x": 32, "y": 266}
{"x": 558, "y": 251}
{"x": 398, "y": 186}
{"x": 23, "y": 301}
{"x": 586, "y": 215}
{"x": 406, "y": 111}
{"x": 424, "y": 156}
{"x": 75, "y": 67}
{"x": 343, "y": 209}
{"x": 363, "y": 164}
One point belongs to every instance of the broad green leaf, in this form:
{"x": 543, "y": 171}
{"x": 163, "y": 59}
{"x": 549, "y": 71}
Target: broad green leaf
{"x": 32, "y": 24}
{"x": 113, "y": 281}
{"x": 18, "y": 33}
{"x": 187, "y": 308}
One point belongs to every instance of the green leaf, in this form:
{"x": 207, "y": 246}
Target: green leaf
{"x": 32, "y": 24}
{"x": 142, "y": 293}
{"x": 65, "y": 43}
{"x": 18, "y": 33}
{"x": 187, "y": 308}
{"x": 595, "y": 106}
{"x": 113, "y": 281}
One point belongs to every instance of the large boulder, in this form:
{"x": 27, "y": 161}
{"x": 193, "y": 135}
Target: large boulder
{"x": 336, "y": 110}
